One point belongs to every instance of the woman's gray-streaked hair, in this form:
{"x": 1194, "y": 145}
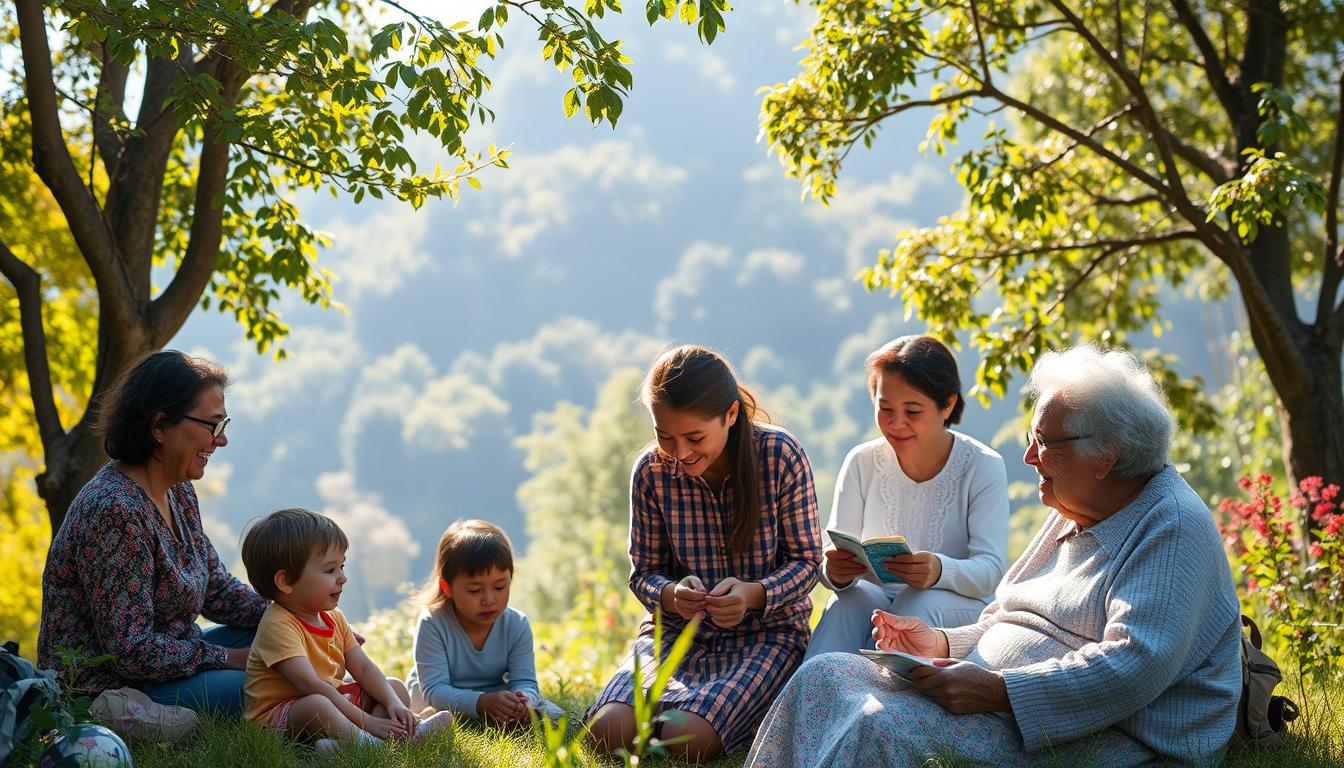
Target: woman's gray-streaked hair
{"x": 1112, "y": 397}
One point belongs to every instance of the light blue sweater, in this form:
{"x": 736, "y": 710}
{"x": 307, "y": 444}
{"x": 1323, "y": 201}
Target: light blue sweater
{"x": 451, "y": 674}
{"x": 1132, "y": 623}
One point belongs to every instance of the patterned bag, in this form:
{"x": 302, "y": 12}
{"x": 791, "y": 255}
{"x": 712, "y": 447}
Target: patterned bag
{"x": 21, "y": 686}
{"x": 1262, "y": 717}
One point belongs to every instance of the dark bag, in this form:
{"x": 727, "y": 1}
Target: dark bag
{"x": 21, "y": 686}
{"x": 1262, "y": 717}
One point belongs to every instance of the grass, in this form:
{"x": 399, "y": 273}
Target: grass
{"x": 1317, "y": 741}
{"x": 220, "y": 744}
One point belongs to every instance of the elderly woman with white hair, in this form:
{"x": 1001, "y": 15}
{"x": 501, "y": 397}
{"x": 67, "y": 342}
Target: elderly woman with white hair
{"x": 1112, "y": 641}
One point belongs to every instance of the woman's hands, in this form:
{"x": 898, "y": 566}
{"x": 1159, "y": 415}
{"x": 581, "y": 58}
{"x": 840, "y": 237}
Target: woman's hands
{"x": 728, "y": 602}
{"x": 920, "y": 570}
{"x": 688, "y": 597}
{"x": 842, "y": 567}
{"x": 907, "y": 635}
{"x": 962, "y": 688}
{"x": 725, "y": 605}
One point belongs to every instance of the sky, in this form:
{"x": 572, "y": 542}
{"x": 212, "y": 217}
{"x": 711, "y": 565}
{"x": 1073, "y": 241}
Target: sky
{"x": 592, "y": 252}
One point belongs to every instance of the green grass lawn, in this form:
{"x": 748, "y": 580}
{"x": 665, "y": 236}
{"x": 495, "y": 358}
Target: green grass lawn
{"x": 1316, "y": 743}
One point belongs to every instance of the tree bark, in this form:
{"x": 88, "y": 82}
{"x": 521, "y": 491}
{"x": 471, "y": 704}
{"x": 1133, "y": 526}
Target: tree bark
{"x": 1312, "y": 422}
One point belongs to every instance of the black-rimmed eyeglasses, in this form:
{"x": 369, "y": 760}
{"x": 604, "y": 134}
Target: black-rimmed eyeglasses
{"x": 216, "y": 427}
{"x": 1040, "y": 443}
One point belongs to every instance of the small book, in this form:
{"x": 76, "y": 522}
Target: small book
{"x": 899, "y": 664}
{"x": 872, "y": 553}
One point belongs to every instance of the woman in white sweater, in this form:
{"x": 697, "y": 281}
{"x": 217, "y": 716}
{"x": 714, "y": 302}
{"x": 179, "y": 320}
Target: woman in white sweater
{"x": 946, "y": 493}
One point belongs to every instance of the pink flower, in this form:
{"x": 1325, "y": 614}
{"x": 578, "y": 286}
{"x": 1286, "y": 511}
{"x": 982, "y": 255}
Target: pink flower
{"x": 1321, "y": 510}
{"x": 1245, "y": 483}
{"x": 1330, "y": 492}
{"x": 1332, "y": 527}
{"x": 1267, "y": 478}
{"x": 1309, "y": 484}
{"x": 1317, "y": 551}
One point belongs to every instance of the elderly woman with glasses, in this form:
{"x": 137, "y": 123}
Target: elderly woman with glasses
{"x": 131, "y": 568}
{"x": 1112, "y": 641}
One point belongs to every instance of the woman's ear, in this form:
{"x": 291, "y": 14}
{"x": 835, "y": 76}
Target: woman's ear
{"x": 946, "y": 412}
{"x": 1104, "y": 466}
{"x": 156, "y": 427}
{"x": 730, "y": 418}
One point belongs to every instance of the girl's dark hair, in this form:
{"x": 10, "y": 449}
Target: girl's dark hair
{"x": 700, "y": 381}
{"x": 285, "y": 541}
{"x": 926, "y": 364}
{"x": 469, "y": 547}
{"x": 165, "y": 385}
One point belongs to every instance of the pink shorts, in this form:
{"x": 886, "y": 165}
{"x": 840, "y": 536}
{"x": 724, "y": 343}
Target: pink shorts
{"x": 351, "y": 691}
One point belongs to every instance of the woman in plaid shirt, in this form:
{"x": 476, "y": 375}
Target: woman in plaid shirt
{"x": 723, "y": 526}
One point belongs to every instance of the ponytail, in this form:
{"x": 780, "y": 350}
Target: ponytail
{"x": 746, "y": 472}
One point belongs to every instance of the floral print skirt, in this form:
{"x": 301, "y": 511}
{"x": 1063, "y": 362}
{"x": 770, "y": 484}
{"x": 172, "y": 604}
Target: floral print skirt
{"x": 844, "y": 711}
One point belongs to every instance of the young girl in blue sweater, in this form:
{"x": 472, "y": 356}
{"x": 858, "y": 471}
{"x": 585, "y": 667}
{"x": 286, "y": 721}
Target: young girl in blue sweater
{"x": 473, "y": 653}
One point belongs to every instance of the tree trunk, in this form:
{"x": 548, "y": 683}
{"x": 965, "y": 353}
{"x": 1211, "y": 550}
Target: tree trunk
{"x": 1312, "y": 421}
{"x": 78, "y": 454}
{"x": 71, "y": 462}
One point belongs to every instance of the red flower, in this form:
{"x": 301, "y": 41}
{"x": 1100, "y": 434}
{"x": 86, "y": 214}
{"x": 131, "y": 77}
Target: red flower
{"x": 1308, "y": 484}
{"x": 1321, "y": 510}
{"x": 1316, "y": 550}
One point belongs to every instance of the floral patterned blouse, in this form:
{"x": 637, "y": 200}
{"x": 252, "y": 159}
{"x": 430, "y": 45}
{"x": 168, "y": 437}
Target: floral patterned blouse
{"x": 120, "y": 581}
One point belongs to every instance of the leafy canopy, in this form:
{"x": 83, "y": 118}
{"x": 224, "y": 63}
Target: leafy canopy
{"x": 1108, "y": 172}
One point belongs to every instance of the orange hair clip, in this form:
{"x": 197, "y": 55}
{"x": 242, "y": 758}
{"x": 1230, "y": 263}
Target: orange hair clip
{"x": 444, "y": 588}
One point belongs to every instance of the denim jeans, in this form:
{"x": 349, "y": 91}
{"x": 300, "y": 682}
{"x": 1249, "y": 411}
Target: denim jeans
{"x": 217, "y": 691}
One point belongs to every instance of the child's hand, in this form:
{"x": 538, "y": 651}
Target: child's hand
{"x": 385, "y": 728}
{"x": 399, "y": 713}
{"x": 502, "y": 706}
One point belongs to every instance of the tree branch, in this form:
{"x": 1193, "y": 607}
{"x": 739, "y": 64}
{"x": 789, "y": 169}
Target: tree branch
{"x": 28, "y": 285}
{"x": 1211, "y": 62}
{"x": 52, "y": 162}
{"x": 1212, "y": 166}
{"x": 108, "y": 101}
{"x": 1148, "y": 116}
{"x": 170, "y": 310}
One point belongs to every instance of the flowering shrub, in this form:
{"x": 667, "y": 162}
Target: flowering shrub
{"x": 1297, "y": 589}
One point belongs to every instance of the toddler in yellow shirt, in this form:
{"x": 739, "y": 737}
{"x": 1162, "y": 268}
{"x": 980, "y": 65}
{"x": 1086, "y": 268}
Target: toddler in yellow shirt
{"x": 296, "y": 669}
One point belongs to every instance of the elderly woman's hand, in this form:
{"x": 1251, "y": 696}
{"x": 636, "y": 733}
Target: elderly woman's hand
{"x": 962, "y": 688}
{"x": 920, "y": 570}
{"x": 907, "y": 635}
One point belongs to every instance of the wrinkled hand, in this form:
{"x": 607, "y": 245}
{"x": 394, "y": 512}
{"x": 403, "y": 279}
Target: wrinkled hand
{"x": 907, "y": 635}
{"x": 842, "y": 567}
{"x": 502, "y": 706}
{"x": 920, "y": 570}
{"x": 386, "y": 727}
{"x": 689, "y": 597}
{"x": 399, "y": 713}
{"x": 728, "y": 602}
{"x": 962, "y": 688}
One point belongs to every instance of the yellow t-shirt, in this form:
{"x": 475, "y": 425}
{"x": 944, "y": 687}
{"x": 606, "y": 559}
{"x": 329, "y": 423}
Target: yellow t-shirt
{"x": 282, "y": 635}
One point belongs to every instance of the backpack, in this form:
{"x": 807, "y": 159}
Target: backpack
{"x": 21, "y": 686}
{"x": 1262, "y": 717}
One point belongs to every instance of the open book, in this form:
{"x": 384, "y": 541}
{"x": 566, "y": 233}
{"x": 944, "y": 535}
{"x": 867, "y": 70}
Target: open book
{"x": 872, "y": 553}
{"x": 899, "y": 664}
